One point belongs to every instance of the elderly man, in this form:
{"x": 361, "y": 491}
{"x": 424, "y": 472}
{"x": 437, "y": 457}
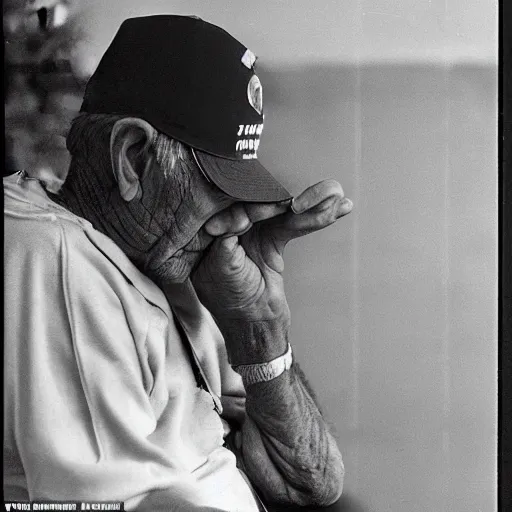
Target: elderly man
{"x": 147, "y": 343}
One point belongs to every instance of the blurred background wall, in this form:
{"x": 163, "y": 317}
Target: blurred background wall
{"x": 394, "y": 308}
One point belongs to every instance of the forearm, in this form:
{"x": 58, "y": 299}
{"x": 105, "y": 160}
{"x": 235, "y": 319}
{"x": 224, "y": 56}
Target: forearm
{"x": 286, "y": 447}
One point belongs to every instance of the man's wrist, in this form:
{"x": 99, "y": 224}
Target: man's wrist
{"x": 254, "y": 342}
{"x": 264, "y": 372}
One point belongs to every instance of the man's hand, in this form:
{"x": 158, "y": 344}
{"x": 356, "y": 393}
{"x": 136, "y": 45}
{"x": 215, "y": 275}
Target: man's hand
{"x": 285, "y": 447}
{"x": 240, "y": 278}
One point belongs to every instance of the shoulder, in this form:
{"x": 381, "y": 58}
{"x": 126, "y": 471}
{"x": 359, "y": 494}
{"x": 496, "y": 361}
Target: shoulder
{"x": 47, "y": 245}
{"x": 40, "y": 239}
{"x": 34, "y": 225}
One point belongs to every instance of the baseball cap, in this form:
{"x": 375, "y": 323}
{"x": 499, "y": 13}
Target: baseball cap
{"x": 196, "y": 83}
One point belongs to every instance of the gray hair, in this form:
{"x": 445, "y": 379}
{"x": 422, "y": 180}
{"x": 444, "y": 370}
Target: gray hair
{"x": 169, "y": 151}
{"x": 89, "y": 135}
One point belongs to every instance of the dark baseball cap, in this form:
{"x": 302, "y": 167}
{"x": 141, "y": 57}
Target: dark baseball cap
{"x": 196, "y": 83}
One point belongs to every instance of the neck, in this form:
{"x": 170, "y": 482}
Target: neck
{"x": 91, "y": 192}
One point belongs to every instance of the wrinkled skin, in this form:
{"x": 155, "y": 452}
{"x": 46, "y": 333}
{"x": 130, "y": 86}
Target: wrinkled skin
{"x": 244, "y": 272}
{"x": 238, "y": 277}
{"x": 188, "y": 213}
{"x": 233, "y": 254}
{"x": 233, "y": 251}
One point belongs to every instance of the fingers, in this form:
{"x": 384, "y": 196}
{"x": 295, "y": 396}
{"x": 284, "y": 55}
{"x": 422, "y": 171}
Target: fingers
{"x": 262, "y": 211}
{"x": 225, "y": 257}
{"x": 233, "y": 220}
{"x": 227, "y": 249}
{"x": 240, "y": 217}
{"x": 320, "y": 206}
{"x": 316, "y": 194}
{"x": 316, "y": 208}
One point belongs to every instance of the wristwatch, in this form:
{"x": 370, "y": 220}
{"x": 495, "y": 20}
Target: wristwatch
{"x": 263, "y": 372}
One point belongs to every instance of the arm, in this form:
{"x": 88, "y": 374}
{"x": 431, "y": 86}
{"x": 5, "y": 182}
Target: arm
{"x": 284, "y": 444}
{"x": 285, "y": 433}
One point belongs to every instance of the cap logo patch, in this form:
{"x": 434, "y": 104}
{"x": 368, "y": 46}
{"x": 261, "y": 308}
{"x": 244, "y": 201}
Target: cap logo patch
{"x": 248, "y": 59}
{"x": 255, "y": 94}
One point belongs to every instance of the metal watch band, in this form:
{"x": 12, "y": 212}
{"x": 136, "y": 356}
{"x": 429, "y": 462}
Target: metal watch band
{"x": 263, "y": 372}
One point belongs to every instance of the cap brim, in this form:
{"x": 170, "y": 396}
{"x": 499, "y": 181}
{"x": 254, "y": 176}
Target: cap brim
{"x": 244, "y": 180}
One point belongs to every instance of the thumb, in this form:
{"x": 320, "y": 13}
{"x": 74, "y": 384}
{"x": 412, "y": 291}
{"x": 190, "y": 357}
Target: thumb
{"x": 226, "y": 245}
{"x": 225, "y": 256}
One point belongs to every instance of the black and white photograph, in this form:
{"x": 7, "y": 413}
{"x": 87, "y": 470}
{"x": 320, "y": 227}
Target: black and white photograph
{"x": 251, "y": 255}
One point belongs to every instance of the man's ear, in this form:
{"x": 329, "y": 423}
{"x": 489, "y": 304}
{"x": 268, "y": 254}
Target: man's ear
{"x": 130, "y": 146}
